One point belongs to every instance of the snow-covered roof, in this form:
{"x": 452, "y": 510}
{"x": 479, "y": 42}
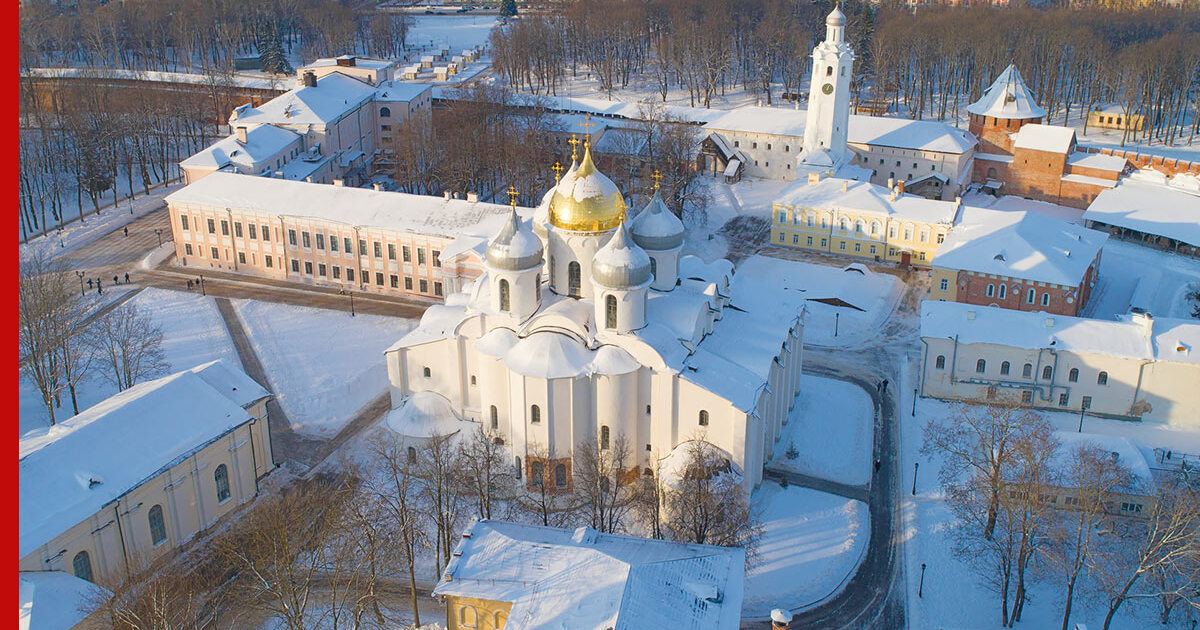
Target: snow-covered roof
{"x": 399, "y": 91}
{"x": 425, "y": 415}
{"x": 656, "y": 227}
{"x": 361, "y": 207}
{"x": 334, "y": 96}
{"x": 621, "y": 141}
{"x": 514, "y": 246}
{"x": 71, "y": 470}
{"x": 620, "y": 263}
{"x": 1097, "y": 161}
{"x": 53, "y": 600}
{"x": 1135, "y": 337}
{"x": 359, "y": 62}
{"x": 1007, "y": 97}
{"x": 836, "y": 194}
{"x": 558, "y": 578}
{"x": 1126, "y": 452}
{"x": 902, "y": 133}
{"x": 1147, "y": 203}
{"x": 1050, "y": 138}
{"x": 263, "y": 142}
{"x": 235, "y": 80}
{"x": 1023, "y": 245}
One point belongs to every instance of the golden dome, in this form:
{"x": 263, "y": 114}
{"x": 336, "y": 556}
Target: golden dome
{"x": 586, "y": 200}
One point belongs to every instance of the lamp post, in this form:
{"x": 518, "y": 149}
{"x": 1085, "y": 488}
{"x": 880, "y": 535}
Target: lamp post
{"x": 81, "y": 275}
{"x": 916, "y": 465}
{"x": 914, "y": 409}
{"x": 1083, "y": 407}
{"x": 351, "y": 294}
{"x": 921, "y": 587}
{"x": 202, "y": 292}
{"x": 835, "y": 323}
{"x": 158, "y": 233}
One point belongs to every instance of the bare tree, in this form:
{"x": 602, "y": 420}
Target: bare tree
{"x": 391, "y": 487}
{"x": 486, "y": 471}
{"x": 170, "y": 598}
{"x": 129, "y": 345}
{"x": 707, "y": 503}
{"x": 543, "y": 499}
{"x": 601, "y": 480}
{"x": 649, "y": 498}
{"x": 439, "y": 466}
{"x": 47, "y": 308}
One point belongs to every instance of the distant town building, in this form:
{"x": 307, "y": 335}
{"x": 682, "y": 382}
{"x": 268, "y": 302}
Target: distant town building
{"x": 1151, "y": 209}
{"x": 1113, "y": 116}
{"x": 549, "y": 577}
{"x": 371, "y": 71}
{"x": 1018, "y": 260}
{"x": 126, "y": 482}
{"x": 1138, "y": 367}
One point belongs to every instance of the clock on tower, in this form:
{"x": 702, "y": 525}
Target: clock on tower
{"x": 829, "y": 97}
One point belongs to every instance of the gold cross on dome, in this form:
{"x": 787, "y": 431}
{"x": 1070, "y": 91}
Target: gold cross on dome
{"x": 558, "y": 169}
{"x": 587, "y": 125}
{"x": 574, "y": 142}
{"x": 657, "y": 176}
{"x": 512, "y": 196}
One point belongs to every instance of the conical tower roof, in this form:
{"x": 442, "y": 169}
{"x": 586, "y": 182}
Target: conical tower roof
{"x": 1009, "y": 98}
{"x": 621, "y": 264}
{"x": 656, "y": 227}
{"x": 515, "y": 247}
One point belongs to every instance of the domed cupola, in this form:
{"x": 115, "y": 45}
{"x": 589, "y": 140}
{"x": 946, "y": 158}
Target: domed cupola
{"x": 621, "y": 275}
{"x": 514, "y": 263}
{"x": 586, "y": 200}
{"x": 658, "y": 231}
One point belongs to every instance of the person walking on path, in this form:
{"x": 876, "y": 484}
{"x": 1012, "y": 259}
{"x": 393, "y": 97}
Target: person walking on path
{"x": 885, "y": 385}
{"x": 89, "y": 284}
{"x": 126, "y": 228}
{"x": 99, "y": 289}
{"x": 126, "y": 277}
{"x": 116, "y": 280}
{"x": 189, "y": 284}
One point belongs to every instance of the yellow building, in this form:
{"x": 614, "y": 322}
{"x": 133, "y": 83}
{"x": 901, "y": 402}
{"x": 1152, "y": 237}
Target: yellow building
{"x": 548, "y": 577}
{"x": 862, "y": 220}
{"x": 1115, "y": 117}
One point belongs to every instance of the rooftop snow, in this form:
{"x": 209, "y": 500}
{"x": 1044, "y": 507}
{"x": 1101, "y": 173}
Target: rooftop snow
{"x": 71, "y": 470}
{"x": 360, "y": 207}
{"x": 53, "y": 600}
{"x": 1050, "y": 138}
{"x": 924, "y": 135}
{"x": 359, "y": 62}
{"x": 1007, "y": 97}
{"x": 1142, "y": 204}
{"x": 1098, "y": 161}
{"x": 558, "y": 578}
{"x": 1127, "y": 453}
{"x": 333, "y": 97}
{"x": 400, "y": 92}
{"x": 828, "y": 194}
{"x": 1166, "y": 340}
{"x": 263, "y": 142}
{"x": 1022, "y": 245}
{"x": 261, "y": 83}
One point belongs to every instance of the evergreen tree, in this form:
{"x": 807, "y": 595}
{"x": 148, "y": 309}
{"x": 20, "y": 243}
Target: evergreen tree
{"x": 270, "y": 50}
{"x": 508, "y": 8}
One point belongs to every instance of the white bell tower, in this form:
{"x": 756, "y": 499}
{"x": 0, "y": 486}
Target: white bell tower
{"x": 829, "y": 96}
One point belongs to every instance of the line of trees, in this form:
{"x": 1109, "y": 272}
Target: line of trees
{"x": 1004, "y": 472}
{"x": 63, "y": 342}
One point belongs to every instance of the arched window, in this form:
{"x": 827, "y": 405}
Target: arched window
{"x": 703, "y": 418}
{"x": 535, "y": 414}
{"x": 991, "y": 173}
{"x": 1027, "y": 371}
{"x": 874, "y": 228}
{"x": 1031, "y": 296}
{"x": 498, "y": 440}
{"x": 221, "y": 478}
{"x": 610, "y": 311}
{"x": 1004, "y": 368}
{"x": 828, "y": 70}
{"x": 560, "y": 476}
{"x": 412, "y": 455}
{"x": 82, "y": 564}
{"x": 1045, "y": 299}
{"x": 980, "y": 366}
{"x": 426, "y": 372}
{"x": 537, "y": 473}
{"x": 385, "y": 112}
{"x": 1102, "y": 378}
{"x": 990, "y": 290}
{"x": 573, "y": 278}
{"x": 495, "y": 413}
{"x": 1003, "y": 291}
{"x": 604, "y": 438}
{"x": 860, "y": 226}
{"x": 518, "y": 468}
{"x": 940, "y": 363}
{"x": 1047, "y": 373}
{"x": 158, "y": 529}
{"x": 1073, "y": 375}
{"x": 504, "y": 296}
{"x": 843, "y": 224}
{"x": 467, "y": 617}
{"x": 654, "y": 267}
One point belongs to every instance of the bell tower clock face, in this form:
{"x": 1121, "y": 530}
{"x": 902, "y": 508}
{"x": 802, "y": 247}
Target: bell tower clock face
{"x": 827, "y": 88}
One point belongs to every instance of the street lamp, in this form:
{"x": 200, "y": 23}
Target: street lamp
{"x": 158, "y": 233}
{"x": 914, "y": 411}
{"x": 351, "y": 294}
{"x": 916, "y": 465}
{"x": 1083, "y": 407}
{"x": 202, "y": 292}
{"x": 921, "y": 588}
{"x": 835, "y": 323}
{"x": 81, "y": 275}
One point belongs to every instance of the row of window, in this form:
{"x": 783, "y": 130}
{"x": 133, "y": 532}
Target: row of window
{"x": 318, "y": 239}
{"x": 787, "y": 148}
{"x": 842, "y": 247}
{"x": 1026, "y": 370}
{"x": 335, "y": 272}
{"x": 1071, "y": 501}
{"x": 861, "y": 227}
{"x": 1001, "y": 293}
{"x": 215, "y": 254}
{"x": 251, "y": 228}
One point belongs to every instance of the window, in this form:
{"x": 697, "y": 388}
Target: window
{"x": 808, "y": 241}
{"x": 362, "y": 247}
{"x": 1073, "y": 375}
{"x": 1004, "y": 368}
{"x": 782, "y": 216}
{"x": 215, "y": 254}
{"x": 1102, "y": 378}
{"x": 378, "y": 249}
{"x": 406, "y": 253}
{"x": 412, "y": 455}
{"x": 703, "y": 418}
{"x": 337, "y": 271}
{"x": 537, "y": 473}
{"x": 308, "y": 267}
{"x": 224, "y": 228}
{"x": 407, "y": 283}
{"x": 495, "y": 416}
{"x": 518, "y": 465}
{"x": 241, "y": 258}
{"x": 940, "y": 362}
{"x": 183, "y": 220}
{"x": 467, "y": 617}
{"x": 610, "y": 311}
{"x": 1003, "y": 291}
{"x": 212, "y": 227}
{"x": 1027, "y": 371}
{"x": 924, "y": 236}
{"x": 472, "y": 380}
{"x": 385, "y": 112}
{"x": 253, "y": 229}
{"x": 295, "y": 266}
{"x": 781, "y": 235}
{"x": 423, "y": 286}
{"x": 436, "y": 257}
{"x": 349, "y": 274}
{"x": 1063, "y": 398}
{"x": 857, "y": 247}
{"x": 1047, "y": 373}
{"x": 237, "y": 229}
{"x": 379, "y": 278}
{"x": 333, "y": 243}
{"x": 1087, "y": 402}
{"x": 795, "y": 239}
{"x": 604, "y": 438}
{"x": 266, "y": 233}
{"x": 394, "y": 281}
{"x": 990, "y": 291}
{"x": 292, "y": 237}
{"x": 426, "y": 371}
{"x": 420, "y": 255}
{"x": 221, "y": 478}
{"x": 535, "y": 414}
{"x": 842, "y": 246}
{"x": 560, "y": 476}
{"x": 980, "y": 366}
{"x": 82, "y": 564}
{"x": 1031, "y": 296}
{"x": 503, "y": 295}
{"x": 828, "y": 70}
{"x": 573, "y": 279}
{"x": 391, "y": 251}
{"x": 320, "y": 240}
{"x": 1045, "y": 299}
{"x": 346, "y": 245}
{"x": 385, "y": 127}
{"x": 945, "y": 286}
{"x": 908, "y": 234}
{"x": 158, "y": 529}
{"x": 653, "y": 269}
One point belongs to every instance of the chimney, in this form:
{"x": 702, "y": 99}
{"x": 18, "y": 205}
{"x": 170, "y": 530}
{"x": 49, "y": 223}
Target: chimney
{"x": 845, "y": 185}
{"x": 241, "y": 132}
{"x": 781, "y": 619}
{"x": 900, "y": 190}
{"x": 891, "y": 183}
{"x": 377, "y": 186}
{"x": 339, "y": 182}
{"x": 970, "y": 315}
{"x": 814, "y": 178}
{"x": 472, "y": 197}
{"x": 448, "y": 195}
{"x": 347, "y": 61}
{"x": 1048, "y": 322}
{"x": 310, "y": 79}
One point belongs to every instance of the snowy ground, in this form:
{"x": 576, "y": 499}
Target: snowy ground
{"x": 456, "y": 31}
{"x": 1132, "y": 275}
{"x": 811, "y": 545}
{"x": 749, "y": 197}
{"x": 875, "y": 293}
{"x": 323, "y": 365}
{"x": 78, "y": 234}
{"x": 831, "y": 428}
{"x": 193, "y": 333}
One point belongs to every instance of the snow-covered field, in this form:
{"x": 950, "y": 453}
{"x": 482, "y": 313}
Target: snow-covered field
{"x": 750, "y": 197}
{"x": 876, "y": 294}
{"x": 323, "y": 365}
{"x": 1132, "y": 275}
{"x": 76, "y": 234}
{"x": 456, "y": 31}
{"x": 831, "y": 427}
{"x": 812, "y": 543}
{"x": 193, "y": 333}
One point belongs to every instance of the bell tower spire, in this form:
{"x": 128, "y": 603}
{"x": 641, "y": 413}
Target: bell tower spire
{"x": 825, "y": 130}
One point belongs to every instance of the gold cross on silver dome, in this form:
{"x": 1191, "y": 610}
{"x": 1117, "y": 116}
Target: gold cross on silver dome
{"x": 657, "y": 176}
{"x": 512, "y": 196}
{"x": 574, "y": 142}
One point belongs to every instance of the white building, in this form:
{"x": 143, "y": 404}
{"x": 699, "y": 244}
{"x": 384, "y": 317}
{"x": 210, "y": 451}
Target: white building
{"x": 827, "y": 122}
{"x": 1149, "y": 208}
{"x": 588, "y": 327}
{"x": 1140, "y": 367}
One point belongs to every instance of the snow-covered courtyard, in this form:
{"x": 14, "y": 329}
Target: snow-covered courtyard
{"x": 831, "y": 429}
{"x": 1135, "y": 276}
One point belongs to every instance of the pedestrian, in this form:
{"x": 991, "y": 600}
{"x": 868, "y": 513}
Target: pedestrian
{"x": 126, "y": 277}
{"x": 61, "y": 243}
{"x": 879, "y": 386}
{"x": 1168, "y": 454}
{"x": 99, "y": 289}
{"x": 116, "y": 280}
{"x": 126, "y": 228}
{"x": 885, "y": 385}
{"x": 89, "y": 284}
{"x": 877, "y": 465}
{"x": 189, "y": 284}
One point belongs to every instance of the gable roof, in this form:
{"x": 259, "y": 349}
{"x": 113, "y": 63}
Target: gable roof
{"x": 558, "y": 578}
{"x": 1007, "y": 97}
{"x": 334, "y": 95}
{"x": 1141, "y": 203}
{"x": 262, "y": 143}
{"x": 71, "y": 470}
{"x": 1023, "y": 245}
{"x": 834, "y": 193}
{"x": 1050, "y": 138}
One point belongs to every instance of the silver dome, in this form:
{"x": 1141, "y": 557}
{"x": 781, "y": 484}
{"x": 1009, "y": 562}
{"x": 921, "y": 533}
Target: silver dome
{"x": 514, "y": 247}
{"x": 621, "y": 263}
{"x": 656, "y": 228}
